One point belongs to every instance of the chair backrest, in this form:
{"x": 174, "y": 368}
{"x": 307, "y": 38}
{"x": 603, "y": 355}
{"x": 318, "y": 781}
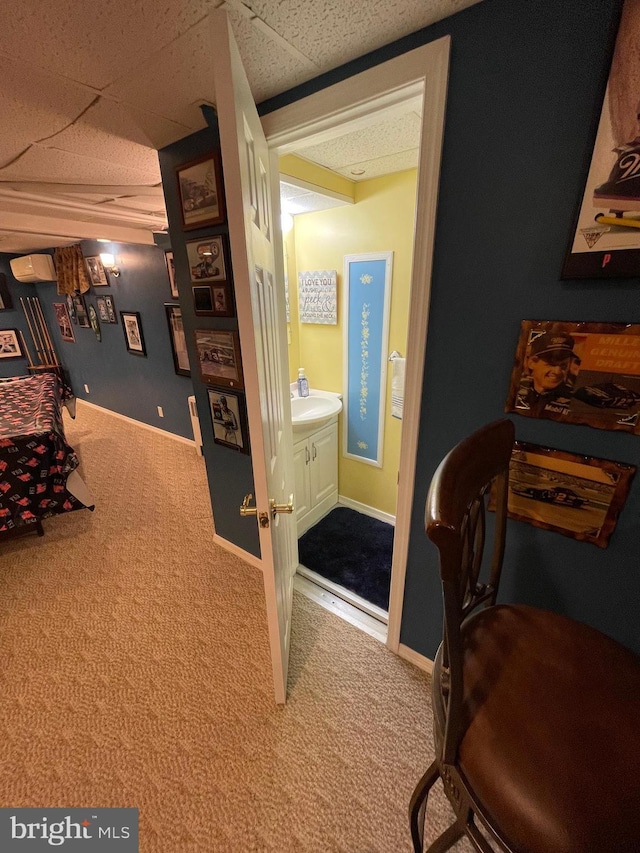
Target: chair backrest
{"x": 455, "y": 522}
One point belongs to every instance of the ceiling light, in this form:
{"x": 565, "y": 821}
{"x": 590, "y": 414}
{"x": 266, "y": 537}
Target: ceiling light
{"x": 357, "y": 172}
{"x": 109, "y": 263}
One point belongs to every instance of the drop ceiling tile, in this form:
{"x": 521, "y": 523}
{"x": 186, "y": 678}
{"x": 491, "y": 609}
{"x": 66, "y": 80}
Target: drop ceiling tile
{"x": 47, "y": 164}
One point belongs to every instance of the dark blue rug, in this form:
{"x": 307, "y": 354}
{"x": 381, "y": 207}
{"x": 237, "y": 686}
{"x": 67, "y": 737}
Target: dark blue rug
{"x": 353, "y": 550}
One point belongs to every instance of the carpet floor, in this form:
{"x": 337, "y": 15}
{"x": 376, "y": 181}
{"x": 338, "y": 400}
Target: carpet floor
{"x": 352, "y": 550}
{"x": 135, "y": 671}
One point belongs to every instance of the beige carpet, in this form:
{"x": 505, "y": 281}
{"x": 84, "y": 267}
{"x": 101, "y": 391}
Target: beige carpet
{"x": 135, "y": 671}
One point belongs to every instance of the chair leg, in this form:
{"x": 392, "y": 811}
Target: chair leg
{"x": 448, "y": 838}
{"x": 418, "y": 803}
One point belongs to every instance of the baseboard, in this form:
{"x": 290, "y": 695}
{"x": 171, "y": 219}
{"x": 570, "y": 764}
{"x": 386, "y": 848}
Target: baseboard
{"x": 254, "y": 561}
{"x": 367, "y": 510}
{"x": 415, "y": 658}
{"x": 162, "y": 432}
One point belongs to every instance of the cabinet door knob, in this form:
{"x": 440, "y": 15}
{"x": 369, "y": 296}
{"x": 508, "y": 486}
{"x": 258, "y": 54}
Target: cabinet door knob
{"x": 315, "y": 452}
{"x": 308, "y": 457}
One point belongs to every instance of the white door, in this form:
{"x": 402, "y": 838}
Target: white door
{"x": 253, "y": 230}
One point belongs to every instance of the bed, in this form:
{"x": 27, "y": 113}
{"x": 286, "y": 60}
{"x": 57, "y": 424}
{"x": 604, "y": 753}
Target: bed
{"x": 38, "y": 476}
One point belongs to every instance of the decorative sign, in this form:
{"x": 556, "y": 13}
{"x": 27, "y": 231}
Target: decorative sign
{"x": 367, "y": 298}
{"x": 317, "y": 294}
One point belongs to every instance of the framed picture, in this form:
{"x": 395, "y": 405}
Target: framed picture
{"x": 200, "y": 191}
{"x": 212, "y": 300}
{"x": 178, "y": 340}
{"x": 6, "y": 302}
{"x": 95, "y": 323}
{"x": 64, "y": 322}
{"x": 229, "y": 417}
{"x": 97, "y": 274}
{"x": 133, "y": 336}
{"x": 606, "y": 238}
{"x": 581, "y": 373}
{"x": 578, "y": 496}
{"x": 207, "y": 261}
{"x": 103, "y": 314}
{"x": 111, "y": 309}
{"x": 171, "y": 270}
{"x": 81, "y": 311}
{"x": 71, "y": 308}
{"x": 10, "y": 344}
{"x": 219, "y": 357}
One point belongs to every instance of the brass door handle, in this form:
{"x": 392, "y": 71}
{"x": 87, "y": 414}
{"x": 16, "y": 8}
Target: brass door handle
{"x": 275, "y": 508}
{"x": 245, "y": 509}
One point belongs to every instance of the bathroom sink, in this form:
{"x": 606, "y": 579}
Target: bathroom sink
{"x": 318, "y": 406}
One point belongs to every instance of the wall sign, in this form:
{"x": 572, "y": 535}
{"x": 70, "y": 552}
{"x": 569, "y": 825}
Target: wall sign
{"x": 317, "y": 295}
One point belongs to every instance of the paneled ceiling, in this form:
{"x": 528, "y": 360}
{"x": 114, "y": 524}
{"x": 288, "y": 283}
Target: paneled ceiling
{"x": 89, "y": 91}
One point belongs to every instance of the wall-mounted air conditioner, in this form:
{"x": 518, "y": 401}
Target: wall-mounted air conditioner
{"x": 32, "y": 268}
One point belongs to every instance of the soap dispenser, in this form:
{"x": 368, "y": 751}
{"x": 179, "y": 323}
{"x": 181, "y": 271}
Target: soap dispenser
{"x": 303, "y": 383}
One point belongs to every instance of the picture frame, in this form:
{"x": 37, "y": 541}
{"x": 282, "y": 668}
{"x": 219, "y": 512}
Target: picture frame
{"x": 171, "y": 271}
{"x": 64, "y": 322}
{"x": 10, "y": 344}
{"x": 80, "y": 309}
{"x": 208, "y": 260}
{"x": 133, "y": 336}
{"x": 603, "y": 244}
{"x": 111, "y": 308}
{"x": 6, "y": 302}
{"x": 212, "y": 300}
{"x": 577, "y": 496}
{"x": 219, "y": 358}
{"x": 71, "y": 308}
{"x": 229, "y": 418}
{"x": 103, "y": 313}
{"x": 201, "y": 191}
{"x": 581, "y": 373}
{"x": 96, "y": 271}
{"x": 178, "y": 339}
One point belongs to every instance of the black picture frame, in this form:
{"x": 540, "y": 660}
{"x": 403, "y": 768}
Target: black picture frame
{"x": 219, "y": 357}
{"x": 133, "y": 336}
{"x": 80, "y": 309}
{"x": 229, "y": 419}
{"x": 208, "y": 259}
{"x": 171, "y": 272}
{"x": 61, "y": 311}
{"x": 178, "y": 339}
{"x": 6, "y": 302}
{"x": 96, "y": 271}
{"x": 10, "y": 346}
{"x": 201, "y": 191}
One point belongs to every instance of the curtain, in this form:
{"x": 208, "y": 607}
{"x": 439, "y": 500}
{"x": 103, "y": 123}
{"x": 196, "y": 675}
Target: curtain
{"x": 71, "y": 269}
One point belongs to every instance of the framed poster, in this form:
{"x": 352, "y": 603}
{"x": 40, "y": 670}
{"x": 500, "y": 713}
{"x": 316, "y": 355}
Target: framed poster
{"x": 207, "y": 260}
{"x": 219, "y": 357}
{"x": 97, "y": 274}
{"x": 581, "y": 373}
{"x": 64, "y": 322}
{"x": 10, "y": 344}
{"x": 578, "y": 496}
{"x": 200, "y": 191}
{"x": 178, "y": 340}
{"x": 318, "y": 297}
{"x": 81, "y": 310}
{"x": 229, "y": 418}
{"x": 133, "y": 336}
{"x": 171, "y": 271}
{"x": 366, "y": 301}
{"x": 111, "y": 308}
{"x": 606, "y": 238}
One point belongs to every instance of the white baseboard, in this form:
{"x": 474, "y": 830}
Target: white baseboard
{"x": 254, "y": 561}
{"x": 367, "y": 510}
{"x": 415, "y": 658}
{"x": 163, "y": 432}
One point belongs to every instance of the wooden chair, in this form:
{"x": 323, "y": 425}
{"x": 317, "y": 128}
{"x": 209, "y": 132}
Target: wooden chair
{"x": 536, "y": 716}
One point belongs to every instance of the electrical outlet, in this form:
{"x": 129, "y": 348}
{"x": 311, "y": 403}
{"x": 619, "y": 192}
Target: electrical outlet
{"x": 160, "y": 412}
{"x": 86, "y": 388}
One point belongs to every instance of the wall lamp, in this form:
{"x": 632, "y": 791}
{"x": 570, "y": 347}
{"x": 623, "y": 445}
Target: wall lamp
{"x": 109, "y": 263}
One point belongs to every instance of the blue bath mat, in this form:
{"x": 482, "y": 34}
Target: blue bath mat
{"x": 353, "y": 550}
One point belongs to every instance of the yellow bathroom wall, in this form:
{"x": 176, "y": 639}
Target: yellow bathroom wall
{"x": 289, "y": 247}
{"x": 311, "y": 173}
{"x": 382, "y": 219}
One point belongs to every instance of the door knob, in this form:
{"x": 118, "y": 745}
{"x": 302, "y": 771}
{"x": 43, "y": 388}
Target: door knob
{"x": 275, "y": 508}
{"x": 245, "y": 509}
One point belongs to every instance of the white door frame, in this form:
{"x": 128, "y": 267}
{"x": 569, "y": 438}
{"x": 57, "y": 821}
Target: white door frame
{"x": 323, "y": 115}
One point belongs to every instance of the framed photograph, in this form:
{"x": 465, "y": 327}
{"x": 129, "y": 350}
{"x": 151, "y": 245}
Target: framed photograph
{"x": 64, "y": 322}
{"x": 6, "y": 302}
{"x": 581, "y": 373}
{"x": 103, "y": 314}
{"x": 219, "y": 359}
{"x": 81, "y": 311}
{"x": 133, "y": 336}
{"x": 171, "y": 270}
{"x": 97, "y": 274}
{"x": 229, "y": 417}
{"x": 95, "y": 323}
{"x": 207, "y": 262}
{"x": 10, "y": 344}
{"x": 71, "y": 308}
{"x": 212, "y": 300}
{"x": 200, "y": 191}
{"x": 578, "y": 496}
{"x": 111, "y": 309}
{"x": 606, "y": 238}
{"x": 178, "y": 340}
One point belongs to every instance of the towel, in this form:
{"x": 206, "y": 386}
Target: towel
{"x": 397, "y": 386}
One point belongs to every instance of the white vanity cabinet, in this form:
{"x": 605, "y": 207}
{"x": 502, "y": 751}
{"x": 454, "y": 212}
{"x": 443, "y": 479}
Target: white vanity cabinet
{"x": 315, "y": 454}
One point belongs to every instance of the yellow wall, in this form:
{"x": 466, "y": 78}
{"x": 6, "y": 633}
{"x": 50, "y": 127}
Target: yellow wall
{"x": 382, "y": 219}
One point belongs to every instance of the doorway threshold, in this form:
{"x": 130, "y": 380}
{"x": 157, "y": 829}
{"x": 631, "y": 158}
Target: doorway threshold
{"x": 343, "y": 603}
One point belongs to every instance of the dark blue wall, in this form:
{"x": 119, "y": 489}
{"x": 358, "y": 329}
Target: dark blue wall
{"x": 131, "y": 385}
{"x": 526, "y": 84}
{"x": 230, "y": 473}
